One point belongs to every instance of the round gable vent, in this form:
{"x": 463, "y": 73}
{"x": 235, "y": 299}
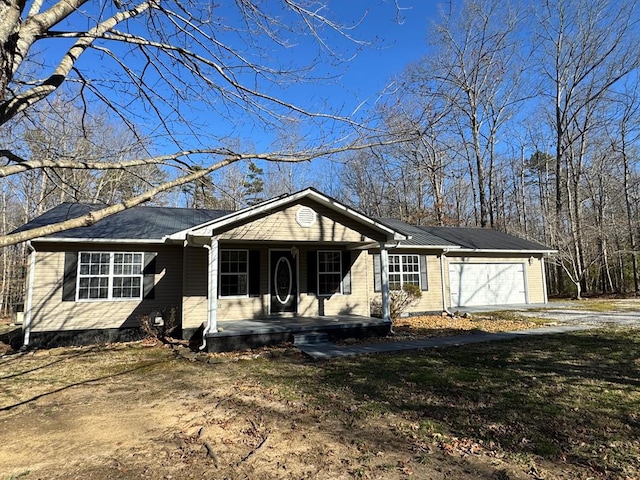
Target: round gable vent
{"x": 305, "y": 217}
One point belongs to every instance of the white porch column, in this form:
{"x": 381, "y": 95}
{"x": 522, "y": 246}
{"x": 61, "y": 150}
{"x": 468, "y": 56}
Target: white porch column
{"x": 384, "y": 277}
{"x": 29, "y": 306}
{"x": 212, "y": 305}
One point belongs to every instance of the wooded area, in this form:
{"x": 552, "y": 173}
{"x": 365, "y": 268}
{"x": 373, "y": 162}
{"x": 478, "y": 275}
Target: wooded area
{"x": 529, "y": 120}
{"x": 520, "y": 116}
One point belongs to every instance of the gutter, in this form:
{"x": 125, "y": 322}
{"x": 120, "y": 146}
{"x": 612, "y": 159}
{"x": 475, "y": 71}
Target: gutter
{"x": 505, "y": 251}
{"x": 29, "y": 306}
{"x": 100, "y": 240}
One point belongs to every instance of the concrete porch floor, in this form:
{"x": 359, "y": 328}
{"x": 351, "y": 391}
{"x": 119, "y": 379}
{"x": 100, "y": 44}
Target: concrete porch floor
{"x": 257, "y": 332}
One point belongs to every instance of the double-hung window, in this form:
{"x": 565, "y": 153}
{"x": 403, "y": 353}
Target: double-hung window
{"x": 329, "y": 272}
{"x": 234, "y": 273}
{"x": 404, "y": 269}
{"x": 110, "y": 276}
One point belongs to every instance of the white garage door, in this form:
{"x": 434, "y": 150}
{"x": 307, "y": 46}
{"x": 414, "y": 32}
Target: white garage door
{"x": 486, "y": 284}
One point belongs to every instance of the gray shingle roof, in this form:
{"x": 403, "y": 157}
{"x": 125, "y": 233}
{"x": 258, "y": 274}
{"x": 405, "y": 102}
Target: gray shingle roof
{"x": 154, "y": 223}
{"x": 138, "y": 223}
{"x": 419, "y": 237}
{"x": 483, "y": 238}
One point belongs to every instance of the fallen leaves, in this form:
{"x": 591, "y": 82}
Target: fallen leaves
{"x": 436, "y": 326}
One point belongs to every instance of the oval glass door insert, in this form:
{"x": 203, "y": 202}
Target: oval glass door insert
{"x": 283, "y": 280}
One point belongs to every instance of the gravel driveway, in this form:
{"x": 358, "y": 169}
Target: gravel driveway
{"x": 565, "y": 316}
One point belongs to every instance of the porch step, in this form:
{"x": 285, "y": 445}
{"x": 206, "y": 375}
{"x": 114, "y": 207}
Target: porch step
{"x": 310, "y": 338}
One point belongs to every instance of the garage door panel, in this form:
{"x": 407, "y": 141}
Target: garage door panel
{"x": 486, "y": 283}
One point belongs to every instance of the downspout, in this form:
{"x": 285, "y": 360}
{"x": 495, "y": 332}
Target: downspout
{"x": 444, "y": 290}
{"x": 29, "y": 306}
{"x": 212, "y": 294}
{"x": 544, "y": 280}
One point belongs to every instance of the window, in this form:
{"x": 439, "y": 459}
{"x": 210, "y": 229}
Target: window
{"x": 234, "y": 273}
{"x": 109, "y": 275}
{"x": 329, "y": 272}
{"x": 404, "y": 269}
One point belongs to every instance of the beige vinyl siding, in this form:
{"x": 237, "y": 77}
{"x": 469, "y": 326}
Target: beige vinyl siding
{"x": 246, "y": 307}
{"x": 356, "y": 303}
{"x": 194, "y": 300}
{"x": 50, "y": 313}
{"x": 281, "y": 225}
{"x": 229, "y": 308}
{"x": 241, "y": 307}
{"x": 238, "y": 308}
{"x": 431, "y": 299}
{"x": 534, "y": 279}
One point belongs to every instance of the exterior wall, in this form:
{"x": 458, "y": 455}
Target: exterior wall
{"x": 237, "y": 308}
{"x": 50, "y": 313}
{"x": 194, "y": 299}
{"x": 282, "y": 226}
{"x": 534, "y": 277}
{"x": 356, "y": 303}
{"x": 247, "y": 307}
{"x": 535, "y": 281}
{"x": 431, "y": 299}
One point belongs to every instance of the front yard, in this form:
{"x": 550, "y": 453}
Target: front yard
{"x": 547, "y": 407}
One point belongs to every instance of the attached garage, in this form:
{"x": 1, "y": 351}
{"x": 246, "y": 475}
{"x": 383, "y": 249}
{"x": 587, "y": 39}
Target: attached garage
{"x": 467, "y": 267}
{"x": 472, "y": 284}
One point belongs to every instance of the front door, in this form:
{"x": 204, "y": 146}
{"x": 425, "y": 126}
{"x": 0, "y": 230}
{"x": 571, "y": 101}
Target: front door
{"x": 284, "y": 282}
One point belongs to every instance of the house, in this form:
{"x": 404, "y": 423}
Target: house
{"x": 298, "y": 262}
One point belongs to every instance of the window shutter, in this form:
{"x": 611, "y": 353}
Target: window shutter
{"x": 423, "y": 273}
{"x": 149, "y": 275}
{"x": 377, "y": 273}
{"x": 254, "y": 273}
{"x": 70, "y": 276}
{"x": 346, "y": 273}
{"x": 312, "y": 271}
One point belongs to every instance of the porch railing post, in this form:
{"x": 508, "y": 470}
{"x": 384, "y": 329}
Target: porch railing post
{"x": 384, "y": 277}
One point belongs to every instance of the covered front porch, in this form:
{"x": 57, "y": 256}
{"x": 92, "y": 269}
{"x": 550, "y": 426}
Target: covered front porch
{"x": 292, "y": 264}
{"x": 257, "y": 332}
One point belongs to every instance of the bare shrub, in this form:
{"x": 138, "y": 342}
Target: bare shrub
{"x": 399, "y": 301}
{"x": 160, "y": 324}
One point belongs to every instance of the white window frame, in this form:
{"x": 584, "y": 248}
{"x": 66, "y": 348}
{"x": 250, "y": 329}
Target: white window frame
{"x": 226, "y": 274}
{"x": 402, "y": 271}
{"x": 339, "y": 252}
{"x": 110, "y": 276}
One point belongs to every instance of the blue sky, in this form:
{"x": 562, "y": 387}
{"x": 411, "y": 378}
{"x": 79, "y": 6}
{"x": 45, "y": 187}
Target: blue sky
{"x": 395, "y": 32}
{"x": 394, "y": 38}
{"x": 395, "y": 43}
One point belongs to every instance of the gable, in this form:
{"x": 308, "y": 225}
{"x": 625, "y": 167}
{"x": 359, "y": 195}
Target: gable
{"x": 303, "y": 221}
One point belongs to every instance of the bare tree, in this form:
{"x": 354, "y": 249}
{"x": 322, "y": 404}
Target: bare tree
{"x": 477, "y": 70}
{"x": 623, "y": 133}
{"x": 160, "y": 65}
{"x": 586, "y": 49}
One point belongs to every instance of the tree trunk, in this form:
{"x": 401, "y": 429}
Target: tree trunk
{"x": 629, "y": 212}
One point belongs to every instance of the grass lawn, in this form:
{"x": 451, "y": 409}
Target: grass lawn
{"x": 564, "y": 406}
